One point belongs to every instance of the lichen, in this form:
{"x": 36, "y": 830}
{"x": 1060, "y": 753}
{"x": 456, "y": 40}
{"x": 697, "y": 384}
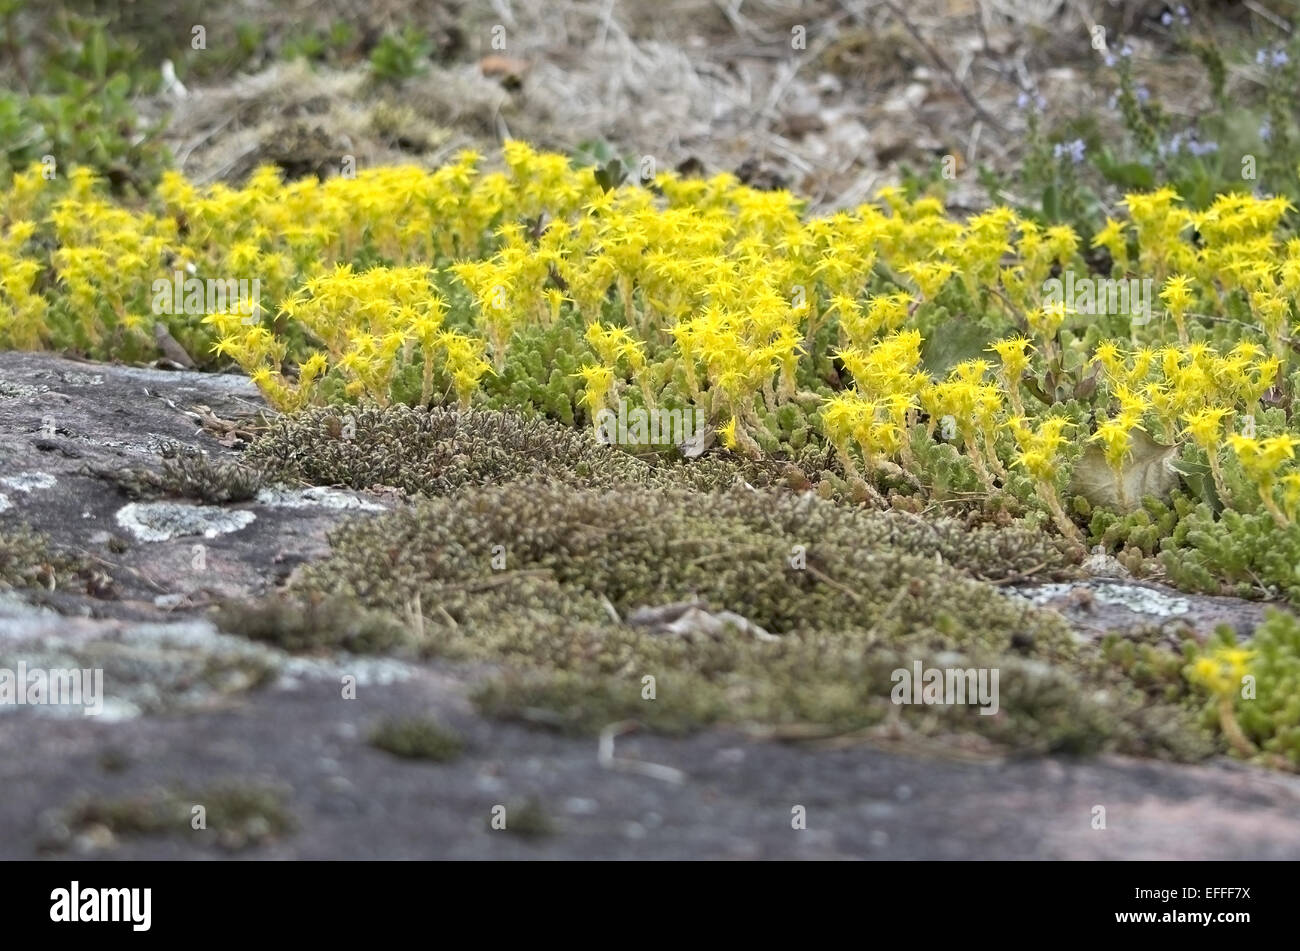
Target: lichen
{"x": 162, "y": 521}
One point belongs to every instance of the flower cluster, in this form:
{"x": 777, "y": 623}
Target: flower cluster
{"x": 401, "y": 284}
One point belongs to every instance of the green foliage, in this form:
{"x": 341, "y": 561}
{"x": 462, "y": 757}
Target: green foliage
{"x": 239, "y": 815}
{"x": 1271, "y": 717}
{"x": 330, "y": 46}
{"x": 399, "y": 56}
{"x": 1077, "y": 165}
{"x": 314, "y": 623}
{"x": 1244, "y": 554}
{"x": 78, "y": 106}
{"x": 417, "y": 738}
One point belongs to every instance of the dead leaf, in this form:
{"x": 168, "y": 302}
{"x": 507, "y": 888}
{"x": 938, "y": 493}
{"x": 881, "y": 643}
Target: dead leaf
{"x": 1148, "y": 470}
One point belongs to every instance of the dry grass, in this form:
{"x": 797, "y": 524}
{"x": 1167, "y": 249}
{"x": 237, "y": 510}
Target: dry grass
{"x": 714, "y": 82}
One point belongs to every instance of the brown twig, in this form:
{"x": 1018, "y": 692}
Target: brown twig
{"x": 1016, "y": 576}
{"x": 828, "y": 580}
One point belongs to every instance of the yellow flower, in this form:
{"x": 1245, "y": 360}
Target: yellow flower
{"x": 1177, "y": 294}
{"x": 728, "y": 433}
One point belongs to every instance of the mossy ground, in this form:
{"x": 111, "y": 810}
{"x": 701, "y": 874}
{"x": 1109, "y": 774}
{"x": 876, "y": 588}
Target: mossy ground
{"x": 317, "y": 621}
{"x": 236, "y": 815}
{"x": 190, "y": 473}
{"x": 417, "y": 738}
{"x": 528, "y": 820}
{"x": 530, "y": 544}
{"x": 28, "y": 560}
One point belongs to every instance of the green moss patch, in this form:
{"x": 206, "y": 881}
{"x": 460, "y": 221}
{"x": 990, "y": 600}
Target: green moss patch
{"x": 826, "y": 602}
{"x": 28, "y": 560}
{"x": 313, "y": 622}
{"x": 684, "y": 593}
{"x": 417, "y": 738}
{"x": 190, "y": 473}
{"x": 236, "y": 816}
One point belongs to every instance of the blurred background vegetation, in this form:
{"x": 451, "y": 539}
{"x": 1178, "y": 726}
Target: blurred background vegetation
{"x": 1209, "y": 105}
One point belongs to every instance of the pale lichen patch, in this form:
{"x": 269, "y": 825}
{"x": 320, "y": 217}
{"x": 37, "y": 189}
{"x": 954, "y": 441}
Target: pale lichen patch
{"x": 1139, "y": 599}
{"x": 26, "y": 482}
{"x": 162, "y": 521}
{"x": 315, "y": 497}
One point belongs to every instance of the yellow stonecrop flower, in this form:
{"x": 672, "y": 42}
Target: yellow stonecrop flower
{"x": 1222, "y": 671}
{"x": 1263, "y": 459}
{"x": 406, "y": 283}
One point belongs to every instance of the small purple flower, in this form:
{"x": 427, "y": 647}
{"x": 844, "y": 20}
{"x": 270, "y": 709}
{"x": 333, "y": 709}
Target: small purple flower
{"x": 1126, "y": 51}
{"x": 1109, "y": 60}
{"x": 1074, "y": 150}
{"x": 1027, "y": 99}
{"x": 1271, "y": 58}
{"x": 1166, "y": 18}
{"x": 1202, "y": 148}
{"x": 1142, "y": 93}
{"x": 1265, "y": 131}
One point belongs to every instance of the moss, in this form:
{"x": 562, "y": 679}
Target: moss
{"x": 871, "y": 593}
{"x": 317, "y": 621}
{"x": 534, "y": 547}
{"x": 417, "y": 738}
{"x": 789, "y": 564}
{"x": 528, "y": 820}
{"x": 190, "y": 473}
{"x": 809, "y": 692}
{"x": 239, "y": 816}
{"x": 579, "y": 703}
{"x": 29, "y": 560}
{"x": 437, "y": 451}
{"x": 434, "y": 452}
